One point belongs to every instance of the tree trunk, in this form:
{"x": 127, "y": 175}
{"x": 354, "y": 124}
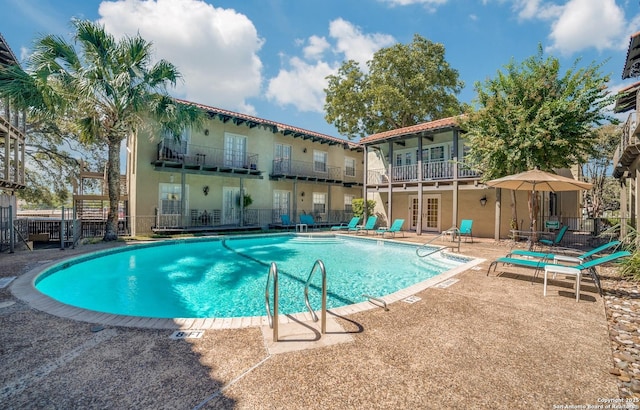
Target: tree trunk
{"x": 113, "y": 183}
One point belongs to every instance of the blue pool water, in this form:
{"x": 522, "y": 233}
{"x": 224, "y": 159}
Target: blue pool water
{"x": 227, "y": 278}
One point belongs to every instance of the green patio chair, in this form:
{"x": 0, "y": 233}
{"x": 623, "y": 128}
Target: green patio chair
{"x": 395, "y": 227}
{"x": 465, "y": 229}
{"x": 369, "y": 226}
{"x": 352, "y": 224}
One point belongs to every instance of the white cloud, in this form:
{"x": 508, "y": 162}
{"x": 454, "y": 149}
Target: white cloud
{"x": 356, "y": 45}
{"x": 587, "y": 23}
{"x": 428, "y": 3}
{"x": 302, "y": 83}
{"x": 317, "y": 46}
{"x": 215, "y": 49}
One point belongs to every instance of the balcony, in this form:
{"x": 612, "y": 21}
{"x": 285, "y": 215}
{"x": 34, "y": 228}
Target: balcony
{"x": 431, "y": 171}
{"x": 629, "y": 147}
{"x": 176, "y": 154}
{"x": 314, "y": 171}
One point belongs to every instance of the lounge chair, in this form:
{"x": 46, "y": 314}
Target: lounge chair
{"x": 551, "y": 243}
{"x": 578, "y": 270}
{"x": 286, "y": 221}
{"x": 369, "y": 226}
{"x": 309, "y": 221}
{"x": 565, "y": 258}
{"x": 537, "y": 264}
{"x": 395, "y": 227}
{"x": 465, "y": 229}
{"x": 352, "y": 224}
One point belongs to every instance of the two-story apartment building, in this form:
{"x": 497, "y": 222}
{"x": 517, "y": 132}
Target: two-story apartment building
{"x": 626, "y": 159}
{"x": 419, "y": 174}
{"x": 12, "y": 140}
{"x": 200, "y": 181}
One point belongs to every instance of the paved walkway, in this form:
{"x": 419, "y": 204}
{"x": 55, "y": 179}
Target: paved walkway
{"x": 483, "y": 342}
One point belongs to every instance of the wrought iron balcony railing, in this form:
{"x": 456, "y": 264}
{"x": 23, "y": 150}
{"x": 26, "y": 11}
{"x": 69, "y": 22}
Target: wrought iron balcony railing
{"x": 204, "y": 157}
{"x": 286, "y": 168}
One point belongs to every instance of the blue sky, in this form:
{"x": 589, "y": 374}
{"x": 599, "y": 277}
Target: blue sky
{"x": 269, "y": 58}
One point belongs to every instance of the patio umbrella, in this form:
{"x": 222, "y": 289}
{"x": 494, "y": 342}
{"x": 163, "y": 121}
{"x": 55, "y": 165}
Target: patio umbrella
{"x": 537, "y": 180}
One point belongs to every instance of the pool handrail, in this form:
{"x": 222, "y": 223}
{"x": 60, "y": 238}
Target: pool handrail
{"x": 273, "y": 318}
{"x": 453, "y": 231}
{"x": 323, "y": 312}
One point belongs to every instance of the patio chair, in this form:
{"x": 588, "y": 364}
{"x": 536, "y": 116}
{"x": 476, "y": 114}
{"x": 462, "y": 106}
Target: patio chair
{"x": 395, "y": 227}
{"x": 565, "y": 258}
{"x": 551, "y": 243}
{"x": 352, "y": 224}
{"x": 308, "y": 220}
{"x": 369, "y": 226}
{"x": 578, "y": 270}
{"x": 465, "y": 229}
{"x": 286, "y": 221}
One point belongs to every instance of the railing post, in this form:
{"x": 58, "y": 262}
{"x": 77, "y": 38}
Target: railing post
{"x": 12, "y": 236}
{"x": 62, "y": 229}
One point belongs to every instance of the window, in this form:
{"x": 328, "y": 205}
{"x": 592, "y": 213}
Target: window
{"x": 319, "y": 203}
{"x": 398, "y": 160}
{"x": 281, "y": 201}
{"x": 176, "y": 146}
{"x": 437, "y": 153}
{"x": 407, "y": 157}
{"x": 350, "y": 167}
{"x": 282, "y": 159}
{"x": 319, "y": 161}
{"x": 348, "y": 202}
{"x": 171, "y": 199}
{"x": 235, "y": 150}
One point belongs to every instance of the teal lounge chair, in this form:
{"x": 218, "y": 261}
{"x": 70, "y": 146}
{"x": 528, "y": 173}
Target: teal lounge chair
{"x": 465, "y": 229}
{"x": 308, "y": 220}
{"x": 395, "y": 227}
{"x": 286, "y": 221}
{"x": 555, "y": 241}
{"x": 588, "y": 266}
{"x": 351, "y": 225}
{"x": 537, "y": 264}
{"x": 369, "y": 226}
{"x": 565, "y": 258}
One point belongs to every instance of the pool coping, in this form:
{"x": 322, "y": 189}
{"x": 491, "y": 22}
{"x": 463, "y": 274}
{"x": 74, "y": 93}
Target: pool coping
{"x": 24, "y": 289}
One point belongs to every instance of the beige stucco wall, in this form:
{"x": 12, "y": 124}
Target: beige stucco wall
{"x": 144, "y": 179}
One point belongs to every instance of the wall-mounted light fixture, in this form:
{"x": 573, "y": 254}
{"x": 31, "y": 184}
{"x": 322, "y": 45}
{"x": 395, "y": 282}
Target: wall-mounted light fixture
{"x": 304, "y": 149}
{"x": 205, "y": 190}
{"x": 483, "y": 200}
{"x": 302, "y": 193}
{"x": 206, "y": 132}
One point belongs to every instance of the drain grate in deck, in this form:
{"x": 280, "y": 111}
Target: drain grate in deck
{"x": 4, "y": 282}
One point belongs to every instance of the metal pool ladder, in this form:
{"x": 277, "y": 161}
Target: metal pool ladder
{"x": 273, "y": 317}
{"x": 454, "y": 231}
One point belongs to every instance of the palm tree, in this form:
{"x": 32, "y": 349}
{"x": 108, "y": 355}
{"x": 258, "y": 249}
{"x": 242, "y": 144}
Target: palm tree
{"x": 106, "y": 90}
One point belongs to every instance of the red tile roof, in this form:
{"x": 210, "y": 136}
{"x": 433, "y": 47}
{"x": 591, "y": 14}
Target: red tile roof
{"x": 449, "y": 122}
{"x": 276, "y": 126}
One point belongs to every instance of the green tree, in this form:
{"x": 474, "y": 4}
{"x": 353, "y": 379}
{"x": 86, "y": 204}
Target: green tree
{"x": 597, "y": 168}
{"x": 357, "y": 205}
{"x": 532, "y": 116}
{"x": 404, "y": 85}
{"x": 106, "y": 90}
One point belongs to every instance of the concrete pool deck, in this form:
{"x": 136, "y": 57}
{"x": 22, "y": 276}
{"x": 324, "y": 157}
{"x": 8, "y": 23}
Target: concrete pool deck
{"x": 478, "y": 342}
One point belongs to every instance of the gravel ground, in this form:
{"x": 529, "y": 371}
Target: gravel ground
{"x": 485, "y": 342}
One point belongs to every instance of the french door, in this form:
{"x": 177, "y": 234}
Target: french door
{"x": 230, "y": 205}
{"x": 430, "y": 212}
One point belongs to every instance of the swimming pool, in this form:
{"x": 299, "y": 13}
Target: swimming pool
{"x": 227, "y": 278}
